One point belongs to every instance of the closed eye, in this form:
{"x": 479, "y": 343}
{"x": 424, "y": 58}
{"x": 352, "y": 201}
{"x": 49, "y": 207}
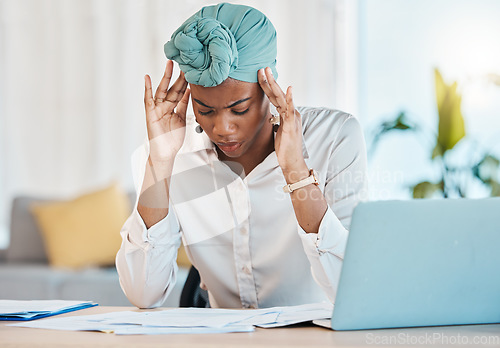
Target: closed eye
{"x": 240, "y": 112}
{"x": 204, "y": 113}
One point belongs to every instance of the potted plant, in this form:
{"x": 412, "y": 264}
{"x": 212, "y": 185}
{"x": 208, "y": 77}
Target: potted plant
{"x": 453, "y": 178}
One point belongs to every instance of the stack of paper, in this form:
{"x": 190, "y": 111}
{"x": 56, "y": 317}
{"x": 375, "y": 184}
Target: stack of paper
{"x": 188, "y": 320}
{"x": 30, "y": 310}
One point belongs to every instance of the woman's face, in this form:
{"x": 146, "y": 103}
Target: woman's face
{"x": 234, "y": 116}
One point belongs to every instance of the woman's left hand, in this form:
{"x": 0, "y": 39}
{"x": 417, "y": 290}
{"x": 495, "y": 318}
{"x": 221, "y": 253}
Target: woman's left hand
{"x": 288, "y": 140}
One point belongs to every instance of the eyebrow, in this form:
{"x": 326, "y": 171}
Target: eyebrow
{"x": 227, "y": 107}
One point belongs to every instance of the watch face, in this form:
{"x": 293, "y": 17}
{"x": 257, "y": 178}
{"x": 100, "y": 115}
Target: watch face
{"x": 315, "y": 176}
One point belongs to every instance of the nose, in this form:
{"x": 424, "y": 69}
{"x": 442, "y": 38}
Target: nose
{"x": 224, "y": 125}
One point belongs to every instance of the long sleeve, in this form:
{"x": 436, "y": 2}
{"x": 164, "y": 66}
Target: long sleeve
{"x": 146, "y": 261}
{"x": 345, "y": 188}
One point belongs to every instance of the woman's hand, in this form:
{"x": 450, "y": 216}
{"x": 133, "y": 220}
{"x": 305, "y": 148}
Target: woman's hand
{"x": 166, "y": 115}
{"x": 308, "y": 202}
{"x": 288, "y": 140}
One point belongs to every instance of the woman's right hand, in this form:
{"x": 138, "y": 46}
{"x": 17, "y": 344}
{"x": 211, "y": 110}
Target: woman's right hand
{"x": 166, "y": 115}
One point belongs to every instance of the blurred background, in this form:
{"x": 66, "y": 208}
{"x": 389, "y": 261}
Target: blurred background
{"x": 423, "y": 77}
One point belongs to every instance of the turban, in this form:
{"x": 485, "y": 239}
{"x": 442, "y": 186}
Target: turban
{"x": 222, "y": 41}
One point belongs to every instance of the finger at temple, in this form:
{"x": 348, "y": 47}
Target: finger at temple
{"x": 276, "y": 90}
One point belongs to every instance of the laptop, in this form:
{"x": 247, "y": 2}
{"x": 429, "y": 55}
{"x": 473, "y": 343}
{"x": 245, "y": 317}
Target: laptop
{"x": 420, "y": 263}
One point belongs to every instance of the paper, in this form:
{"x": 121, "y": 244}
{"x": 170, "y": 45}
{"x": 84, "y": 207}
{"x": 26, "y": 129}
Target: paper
{"x": 187, "y": 320}
{"x": 197, "y": 317}
{"x": 300, "y": 314}
{"x": 323, "y": 323}
{"x": 28, "y": 310}
{"x": 73, "y": 323}
{"x": 99, "y": 322}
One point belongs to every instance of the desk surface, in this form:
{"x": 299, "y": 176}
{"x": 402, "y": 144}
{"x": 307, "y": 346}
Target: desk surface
{"x": 296, "y": 336}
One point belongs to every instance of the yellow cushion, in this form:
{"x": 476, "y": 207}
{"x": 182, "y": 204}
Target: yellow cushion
{"x": 182, "y": 258}
{"x": 84, "y": 231}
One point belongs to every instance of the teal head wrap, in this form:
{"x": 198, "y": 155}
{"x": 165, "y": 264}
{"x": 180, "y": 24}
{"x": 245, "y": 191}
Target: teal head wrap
{"x": 222, "y": 41}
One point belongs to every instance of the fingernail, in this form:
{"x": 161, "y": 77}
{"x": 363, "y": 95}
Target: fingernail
{"x": 263, "y": 75}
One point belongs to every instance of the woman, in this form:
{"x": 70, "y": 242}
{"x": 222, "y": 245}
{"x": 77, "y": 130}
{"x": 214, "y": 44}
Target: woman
{"x": 262, "y": 206}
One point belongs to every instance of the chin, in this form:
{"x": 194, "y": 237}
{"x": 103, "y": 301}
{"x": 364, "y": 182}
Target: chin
{"x": 233, "y": 154}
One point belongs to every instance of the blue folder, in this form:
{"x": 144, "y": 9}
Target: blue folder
{"x": 32, "y": 315}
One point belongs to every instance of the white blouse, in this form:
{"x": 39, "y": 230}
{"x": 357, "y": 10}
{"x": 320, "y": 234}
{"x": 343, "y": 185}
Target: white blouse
{"x": 240, "y": 231}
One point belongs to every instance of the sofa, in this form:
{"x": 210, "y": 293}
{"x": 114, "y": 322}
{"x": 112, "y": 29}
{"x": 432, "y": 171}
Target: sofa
{"x": 25, "y": 273}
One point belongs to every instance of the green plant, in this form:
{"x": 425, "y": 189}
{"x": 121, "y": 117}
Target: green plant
{"x": 453, "y": 178}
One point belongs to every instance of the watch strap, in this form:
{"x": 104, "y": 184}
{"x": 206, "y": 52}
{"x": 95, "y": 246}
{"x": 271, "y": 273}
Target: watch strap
{"x": 311, "y": 179}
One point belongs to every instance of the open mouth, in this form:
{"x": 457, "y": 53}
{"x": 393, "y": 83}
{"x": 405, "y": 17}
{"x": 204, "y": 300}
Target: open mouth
{"x": 229, "y": 147}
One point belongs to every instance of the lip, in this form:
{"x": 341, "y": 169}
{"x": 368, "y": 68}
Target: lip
{"x": 229, "y": 147}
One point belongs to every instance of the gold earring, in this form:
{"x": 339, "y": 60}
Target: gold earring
{"x": 274, "y": 120}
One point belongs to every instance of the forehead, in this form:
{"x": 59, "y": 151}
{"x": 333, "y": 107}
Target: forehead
{"x": 226, "y": 93}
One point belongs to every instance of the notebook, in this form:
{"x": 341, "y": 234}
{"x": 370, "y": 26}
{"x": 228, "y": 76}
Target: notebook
{"x": 420, "y": 263}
